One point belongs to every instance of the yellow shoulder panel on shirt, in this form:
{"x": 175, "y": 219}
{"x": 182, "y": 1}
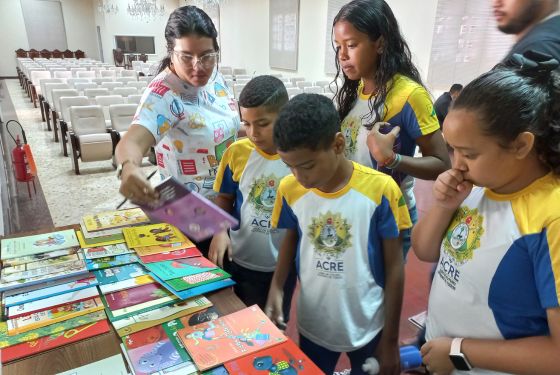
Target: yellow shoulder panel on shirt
{"x": 290, "y": 190}
{"x": 405, "y": 90}
{"x": 235, "y": 157}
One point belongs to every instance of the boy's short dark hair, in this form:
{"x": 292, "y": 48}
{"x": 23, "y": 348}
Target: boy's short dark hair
{"x": 456, "y": 87}
{"x": 308, "y": 121}
{"x": 266, "y": 91}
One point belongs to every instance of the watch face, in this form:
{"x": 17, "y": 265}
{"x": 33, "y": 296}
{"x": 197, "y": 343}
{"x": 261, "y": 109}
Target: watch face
{"x": 460, "y": 362}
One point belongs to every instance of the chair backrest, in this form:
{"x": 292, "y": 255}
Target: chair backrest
{"x": 85, "y": 74}
{"x": 146, "y": 79}
{"x": 296, "y": 79}
{"x": 107, "y": 74}
{"x": 92, "y": 93}
{"x": 226, "y": 70}
{"x": 288, "y": 84}
{"x": 76, "y": 70}
{"x": 302, "y": 84}
{"x": 313, "y": 90}
{"x": 83, "y": 86}
{"x": 125, "y": 91}
{"x": 242, "y": 76}
{"x": 44, "y": 81}
{"x": 136, "y": 84}
{"x": 293, "y": 91}
{"x": 111, "y": 85}
{"x": 129, "y": 74}
{"x": 134, "y": 99}
{"x": 237, "y": 71}
{"x": 99, "y": 81}
{"x": 59, "y": 93}
{"x": 106, "y": 100}
{"x": 322, "y": 83}
{"x": 62, "y": 74}
{"x": 49, "y": 87}
{"x": 71, "y": 101}
{"x": 126, "y": 80}
{"x": 87, "y": 120}
{"x": 37, "y": 75}
{"x": 73, "y": 81}
{"x": 242, "y": 81}
{"x": 121, "y": 116}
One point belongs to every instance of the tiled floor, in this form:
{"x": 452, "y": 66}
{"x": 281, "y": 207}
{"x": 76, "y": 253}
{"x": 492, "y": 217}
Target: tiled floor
{"x": 71, "y": 196}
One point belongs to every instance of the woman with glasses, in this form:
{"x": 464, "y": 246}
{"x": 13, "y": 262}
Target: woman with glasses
{"x": 187, "y": 112}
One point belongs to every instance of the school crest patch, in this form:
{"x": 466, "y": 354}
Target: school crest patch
{"x": 463, "y": 234}
{"x": 263, "y": 194}
{"x": 330, "y": 233}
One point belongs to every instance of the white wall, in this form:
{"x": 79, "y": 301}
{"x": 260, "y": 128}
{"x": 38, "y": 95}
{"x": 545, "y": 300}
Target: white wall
{"x": 123, "y": 24}
{"x": 13, "y": 37}
{"x": 79, "y": 26}
{"x": 244, "y": 28}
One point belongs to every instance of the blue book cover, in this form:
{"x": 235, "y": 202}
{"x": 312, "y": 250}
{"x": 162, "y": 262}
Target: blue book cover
{"x": 115, "y": 274}
{"x": 198, "y": 290}
{"x": 111, "y": 261}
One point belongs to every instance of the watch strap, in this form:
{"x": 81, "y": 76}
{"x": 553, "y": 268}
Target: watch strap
{"x": 456, "y": 346}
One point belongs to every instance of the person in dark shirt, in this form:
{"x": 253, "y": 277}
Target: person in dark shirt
{"x": 534, "y": 23}
{"x": 442, "y": 103}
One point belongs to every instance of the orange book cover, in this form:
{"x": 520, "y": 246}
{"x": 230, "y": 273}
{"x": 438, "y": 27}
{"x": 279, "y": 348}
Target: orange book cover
{"x": 283, "y": 358}
{"x": 151, "y": 235}
{"x": 232, "y": 336}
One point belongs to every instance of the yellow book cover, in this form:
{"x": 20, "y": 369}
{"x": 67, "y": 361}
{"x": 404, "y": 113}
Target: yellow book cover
{"x": 157, "y": 249}
{"x": 54, "y": 315}
{"x": 99, "y": 241}
{"x": 115, "y": 219}
{"x": 151, "y": 235}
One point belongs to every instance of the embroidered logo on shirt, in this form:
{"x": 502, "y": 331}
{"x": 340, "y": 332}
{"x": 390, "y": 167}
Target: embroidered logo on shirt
{"x": 263, "y": 194}
{"x": 463, "y": 234}
{"x": 330, "y": 233}
{"x": 350, "y": 128}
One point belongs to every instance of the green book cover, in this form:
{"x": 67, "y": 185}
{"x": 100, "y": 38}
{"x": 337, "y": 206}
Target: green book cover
{"x": 171, "y": 329}
{"x": 37, "y": 244}
{"x": 132, "y": 310}
{"x": 173, "y": 269}
{"x": 192, "y": 281}
{"x": 7, "y": 340}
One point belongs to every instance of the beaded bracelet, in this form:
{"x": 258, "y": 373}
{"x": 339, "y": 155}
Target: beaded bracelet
{"x": 395, "y": 162}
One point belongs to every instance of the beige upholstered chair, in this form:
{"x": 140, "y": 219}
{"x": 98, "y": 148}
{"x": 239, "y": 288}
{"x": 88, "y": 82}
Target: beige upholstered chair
{"x": 67, "y": 102}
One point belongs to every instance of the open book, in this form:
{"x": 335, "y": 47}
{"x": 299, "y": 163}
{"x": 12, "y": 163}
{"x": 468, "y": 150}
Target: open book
{"x": 189, "y": 211}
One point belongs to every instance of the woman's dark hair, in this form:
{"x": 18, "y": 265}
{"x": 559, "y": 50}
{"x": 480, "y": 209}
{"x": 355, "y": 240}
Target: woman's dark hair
{"x": 185, "y": 21}
{"x": 376, "y": 19}
{"x": 515, "y": 98}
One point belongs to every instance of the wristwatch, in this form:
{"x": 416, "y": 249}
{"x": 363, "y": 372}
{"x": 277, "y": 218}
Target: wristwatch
{"x": 121, "y": 165}
{"x": 459, "y": 359}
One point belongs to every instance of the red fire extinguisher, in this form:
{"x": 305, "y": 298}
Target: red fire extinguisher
{"x": 22, "y": 158}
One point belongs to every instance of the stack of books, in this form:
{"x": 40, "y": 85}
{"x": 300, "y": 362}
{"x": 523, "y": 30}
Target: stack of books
{"x": 49, "y": 298}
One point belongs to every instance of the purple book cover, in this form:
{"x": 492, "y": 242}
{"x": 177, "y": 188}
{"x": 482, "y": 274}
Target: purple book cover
{"x": 134, "y": 296}
{"x": 189, "y": 211}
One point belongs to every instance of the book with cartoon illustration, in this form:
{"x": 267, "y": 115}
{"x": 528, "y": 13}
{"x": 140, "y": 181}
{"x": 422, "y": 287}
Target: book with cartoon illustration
{"x": 151, "y": 350}
{"x": 115, "y": 219}
{"x": 55, "y": 261}
{"x": 111, "y": 261}
{"x": 285, "y": 357}
{"x": 151, "y": 318}
{"x": 173, "y": 255}
{"x": 76, "y": 269}
{"x": 54, "y": 341}
{"x": 229, "y": 337}
{"x": 154, "y": 234}
{"x": 192, "y": 213}
{"x": 12, "y": 262}
{"x": 107, "y": 251}
{"x": 41, "y": 243}
{"x": 157, "y": 249}
{"x": 71, "y": 267}
{"x": 54, "y": 315}
{"x": 116, "y": 274}
{"x": 168, "y": 269}
{"x": 10, "y": 340}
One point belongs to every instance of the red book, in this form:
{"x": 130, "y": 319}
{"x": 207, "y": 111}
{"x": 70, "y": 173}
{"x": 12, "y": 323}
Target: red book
{"x": 172, "y": 255}
{"x": 42, "y": 344}
{"x": 232, "y": 336}
{"x": 135, "y": 296}
{"x": 285, "y": 357}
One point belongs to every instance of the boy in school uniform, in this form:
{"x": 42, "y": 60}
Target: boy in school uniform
{"x": 246, "y": 183}
{"x": 343, "y": 223}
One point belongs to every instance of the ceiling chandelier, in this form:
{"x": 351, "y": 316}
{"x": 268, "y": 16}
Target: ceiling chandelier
{"x": 105, "y": 7}
{"x": 145, "y": 9}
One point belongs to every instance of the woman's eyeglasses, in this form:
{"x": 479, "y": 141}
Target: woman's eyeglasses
{"x": 206, "y": 61}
